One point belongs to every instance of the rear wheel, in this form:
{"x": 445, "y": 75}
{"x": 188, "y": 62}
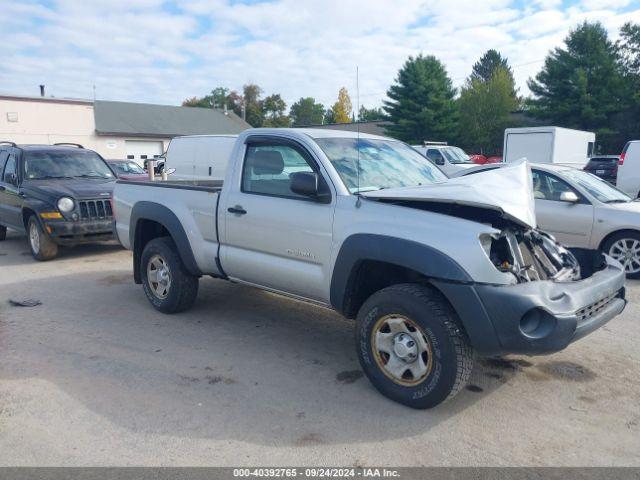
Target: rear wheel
{"x": 3, "y": 233}
{"x": 168, "y": 285}
{"x": 411, "y": 346}
{"x": 625, "y": 248}
{"x": 42, "y": 246}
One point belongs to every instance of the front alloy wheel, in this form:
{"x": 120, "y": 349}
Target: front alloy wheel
{"x": 627, "y": 252}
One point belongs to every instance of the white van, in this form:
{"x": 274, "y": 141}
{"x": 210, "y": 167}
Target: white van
{"x": 562, "y": 146}
{"x": 199, "y": 157}
{"x": 450, "y": 159}
{"x": 629, "y": 169}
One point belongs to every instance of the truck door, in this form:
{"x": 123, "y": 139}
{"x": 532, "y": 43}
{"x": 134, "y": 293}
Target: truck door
{"x": 570, "y": 222}
{"x": 10, "y": 201}
{"x": 273, "y": 237}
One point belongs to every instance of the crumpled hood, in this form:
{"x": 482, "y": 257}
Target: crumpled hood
{"x": 507, "y": 190}
{"x": 77, "y": 188}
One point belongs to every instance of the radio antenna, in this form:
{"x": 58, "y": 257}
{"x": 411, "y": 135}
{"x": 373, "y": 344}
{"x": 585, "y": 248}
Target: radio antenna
{"x": 359, "y": 200}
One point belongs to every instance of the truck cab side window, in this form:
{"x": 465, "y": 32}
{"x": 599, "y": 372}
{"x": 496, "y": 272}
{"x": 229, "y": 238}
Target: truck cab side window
{"x": 267, "y": 169}
{"x": 10, "y": 168}
{"x": 435, "y": 156}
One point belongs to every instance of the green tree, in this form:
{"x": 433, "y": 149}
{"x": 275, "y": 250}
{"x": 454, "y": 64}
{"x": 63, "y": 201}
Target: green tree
{"x": 203, "y": 102}
{"x": 421, "y": 104}
{"x": 628, "y": 119}
{"x": 273, "y": 108}
{"x": 580, "y": 84}
{"x": 329, "y": 116}
{"x": 484, "y": 111}
{"x": 484, "y": 68}
{"x": 306, "y": 112}
{"x": 370, "y": 114}
{"x": 252, "y": 104}
{"x": 342, "y": 108}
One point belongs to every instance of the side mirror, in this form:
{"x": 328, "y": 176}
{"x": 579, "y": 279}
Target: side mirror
{"x": 305, "y": 183}
{"x": 570, "y": 197}
{"x": 311, "y": 185}
{"x": 12, "y": 178}
{"x": 169, "y": 171}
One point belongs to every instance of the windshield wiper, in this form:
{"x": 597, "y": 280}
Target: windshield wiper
{"x": 617, "y": 200}
{"x": 44, "y": 177}
{"x": 90, "y": 176}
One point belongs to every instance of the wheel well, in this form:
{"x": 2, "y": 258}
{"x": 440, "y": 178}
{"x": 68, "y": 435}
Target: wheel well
{"x": 26, "y": 213}
{"x": 369, "y": 276}
{"x": 617, "y": 232}
{"x": 146, "y": 230}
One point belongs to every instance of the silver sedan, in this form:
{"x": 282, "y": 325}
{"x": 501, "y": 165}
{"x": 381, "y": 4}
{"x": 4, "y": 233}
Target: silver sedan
{"x": 582, "y": 210}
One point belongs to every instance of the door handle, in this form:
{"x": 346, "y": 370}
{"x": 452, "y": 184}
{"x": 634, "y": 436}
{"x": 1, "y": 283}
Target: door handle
{"x": 238, "y": 210}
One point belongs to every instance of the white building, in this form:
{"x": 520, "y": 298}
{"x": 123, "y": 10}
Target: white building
{"x": 116, "y": 130}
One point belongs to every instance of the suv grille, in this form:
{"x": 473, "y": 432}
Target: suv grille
{"x": 590, "y": 310}
{"x": 95, "y": 209}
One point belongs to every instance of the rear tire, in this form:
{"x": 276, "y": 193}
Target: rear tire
{"x": 3, "y": 233}
{"x": 617, "y": 247}
{"x": 168, "y": 285}
{"x": 42, "y": 246}
{"x": 411, "y": 346}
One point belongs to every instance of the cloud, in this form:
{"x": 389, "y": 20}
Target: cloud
{"x": 163, "y": 52}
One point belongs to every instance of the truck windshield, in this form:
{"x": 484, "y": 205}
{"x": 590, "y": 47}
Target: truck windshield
{"x": 455, "y": 155}
{"x": 81, "y": 164}
{"x": 383, "y": 164}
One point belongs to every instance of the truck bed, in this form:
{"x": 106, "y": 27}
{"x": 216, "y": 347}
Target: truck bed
{"x": 191, "y": 204}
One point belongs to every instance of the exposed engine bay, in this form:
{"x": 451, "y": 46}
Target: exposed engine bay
{"x": 531, "y": 255}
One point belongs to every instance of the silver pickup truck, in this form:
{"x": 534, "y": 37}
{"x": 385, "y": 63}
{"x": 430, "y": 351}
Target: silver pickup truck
{"x": 432, "y": 269}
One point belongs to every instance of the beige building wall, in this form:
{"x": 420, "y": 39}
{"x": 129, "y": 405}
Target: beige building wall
{"x": 48, "y": 121}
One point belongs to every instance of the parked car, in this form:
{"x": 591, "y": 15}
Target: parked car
{"x": 628, "y": 179}
{"x": 200, "y": 157}
{"x": 431, "y": 268}
{"x": 548, "y": 145}
{"x": 582, "y": 210}
{"x": 494, "y": 159}
{"x": 604, "y": 166}
{"x": 128, "y": 170}
{"x": 448, "y": 158}
{"x": 57, "y": 194}
{"x": 478, "y": 159}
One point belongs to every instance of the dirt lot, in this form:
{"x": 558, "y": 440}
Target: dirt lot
{"x": 95, "y": 376}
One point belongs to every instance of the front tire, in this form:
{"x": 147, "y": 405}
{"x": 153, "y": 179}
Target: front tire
{"x": 625, "y": 248}
{"x": 411, "y": 346}
{"x": 168, "y": 285}
{"x": 42, "y": 246}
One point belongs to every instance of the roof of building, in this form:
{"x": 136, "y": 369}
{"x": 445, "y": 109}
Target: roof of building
{"x": 143, "y": 119}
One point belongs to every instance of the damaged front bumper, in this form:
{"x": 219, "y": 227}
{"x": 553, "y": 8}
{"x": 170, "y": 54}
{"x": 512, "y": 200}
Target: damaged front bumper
{"x": 72, "y": 233}
{"x": 538, "y": 317}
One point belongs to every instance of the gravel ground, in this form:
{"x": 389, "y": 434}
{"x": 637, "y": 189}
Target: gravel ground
{"x": 95, "y": 376}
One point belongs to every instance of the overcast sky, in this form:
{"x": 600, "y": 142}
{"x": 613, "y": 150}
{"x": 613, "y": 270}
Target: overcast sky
{"x": 163, "y": 52}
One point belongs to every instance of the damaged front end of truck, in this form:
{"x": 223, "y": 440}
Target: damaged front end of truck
{"x": 553, "y": 295}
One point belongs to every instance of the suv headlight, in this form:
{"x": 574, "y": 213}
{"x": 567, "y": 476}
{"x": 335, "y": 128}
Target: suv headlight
{"x": 66, "y": 204}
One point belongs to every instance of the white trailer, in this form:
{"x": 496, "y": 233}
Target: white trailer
{"x": 200, "y": 157}
{"x": 548, "y": 145}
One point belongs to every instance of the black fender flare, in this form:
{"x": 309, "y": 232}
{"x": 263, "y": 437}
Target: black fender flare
{"x": 421, "y": 258}
{"x": 164, "y": 216}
